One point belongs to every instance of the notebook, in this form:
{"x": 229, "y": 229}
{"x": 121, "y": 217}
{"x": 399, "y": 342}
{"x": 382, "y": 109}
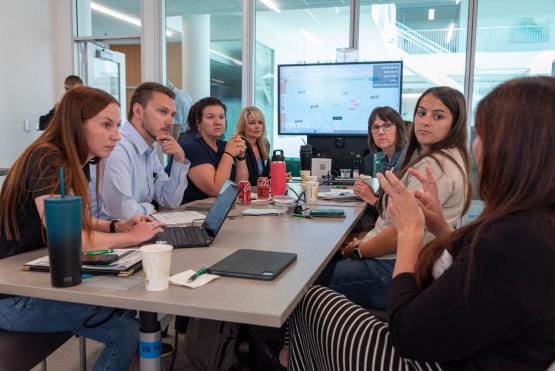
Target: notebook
{"x": 339, "y": 195}
{"x": 256, "y": 264}
{"x": 195, "y": 236}
{"x": 129, "y": 261}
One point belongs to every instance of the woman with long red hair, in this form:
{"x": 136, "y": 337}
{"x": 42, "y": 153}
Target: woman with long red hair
{"x": 493, "y": 308}
{"x": 84, "y": 129}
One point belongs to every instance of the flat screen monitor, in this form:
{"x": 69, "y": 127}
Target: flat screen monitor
{"x": 335, "y": 99}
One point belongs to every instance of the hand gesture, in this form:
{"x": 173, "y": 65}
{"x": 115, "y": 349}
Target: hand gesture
{"x": 402, "y": 207}
{"x": 236, "y": 146}
{"x": 348, "y": 250}
{"x": 170, "y": 147}
{"x": 365, "y": 192}
{"x": 128, "y": 225}
{"x": 145, "y": 230}
{"x": 429, "y": 202}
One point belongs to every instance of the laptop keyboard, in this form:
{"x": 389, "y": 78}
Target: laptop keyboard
{"x": 184, "y": 236}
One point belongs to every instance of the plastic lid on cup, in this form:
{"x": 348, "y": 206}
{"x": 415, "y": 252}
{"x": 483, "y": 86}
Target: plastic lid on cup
{"x": 284, "y": 200}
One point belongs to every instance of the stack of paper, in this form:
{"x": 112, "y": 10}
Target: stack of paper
{"x": 179, "y": 217}
{"x": 343, "y": 195}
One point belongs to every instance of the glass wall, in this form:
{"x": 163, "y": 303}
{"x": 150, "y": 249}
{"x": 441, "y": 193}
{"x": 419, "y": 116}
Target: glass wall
{"x": 108, "y": 18}
{"x": 208, "y": 37}
{"x": 429, "y": 36}
{"x": 513, "y": 39}
{"x": 291, "y": 34}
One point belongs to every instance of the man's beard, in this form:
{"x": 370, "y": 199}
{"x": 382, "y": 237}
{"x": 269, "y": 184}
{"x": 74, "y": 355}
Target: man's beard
{"x": 145, "y": 124}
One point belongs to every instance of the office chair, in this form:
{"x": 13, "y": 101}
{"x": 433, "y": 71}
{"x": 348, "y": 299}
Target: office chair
{"x": 24, "y": 350}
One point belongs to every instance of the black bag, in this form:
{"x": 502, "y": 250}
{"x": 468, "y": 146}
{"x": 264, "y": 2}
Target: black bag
{"x": 211, "y": 345}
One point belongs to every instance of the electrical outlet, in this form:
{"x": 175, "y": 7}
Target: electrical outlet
{"x": 26, "y": 126}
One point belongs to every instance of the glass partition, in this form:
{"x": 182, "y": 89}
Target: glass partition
{"x": 290, "y": 33}
{"x": 204, "y": 53}
{"x": 108, "y": 18}
{"x": 429, "y": 36}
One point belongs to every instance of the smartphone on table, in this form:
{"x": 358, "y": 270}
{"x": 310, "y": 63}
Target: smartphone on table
{"x": 103, "y": 259}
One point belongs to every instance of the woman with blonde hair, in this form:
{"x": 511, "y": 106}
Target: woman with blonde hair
{"x": 251, "y": 126}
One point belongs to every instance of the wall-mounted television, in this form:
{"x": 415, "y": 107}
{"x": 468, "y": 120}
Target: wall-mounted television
{"x": 335, "y": 98}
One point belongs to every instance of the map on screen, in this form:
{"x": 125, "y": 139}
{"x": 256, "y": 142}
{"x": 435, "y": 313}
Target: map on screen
{"x": 335, "y": 99}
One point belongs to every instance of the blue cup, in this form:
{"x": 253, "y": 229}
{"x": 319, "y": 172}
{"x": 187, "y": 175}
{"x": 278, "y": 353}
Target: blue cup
{"x": 63, "y": 231}
{"x": 378, "y": 163}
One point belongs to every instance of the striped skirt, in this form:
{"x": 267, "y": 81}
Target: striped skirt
{"x": 330, "y": 333}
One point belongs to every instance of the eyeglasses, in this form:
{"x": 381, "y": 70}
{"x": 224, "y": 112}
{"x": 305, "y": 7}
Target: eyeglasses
{"x": 387, "y": 126}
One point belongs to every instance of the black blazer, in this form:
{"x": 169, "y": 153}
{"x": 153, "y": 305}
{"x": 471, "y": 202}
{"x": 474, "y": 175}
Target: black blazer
{"x": 253, "y": 166}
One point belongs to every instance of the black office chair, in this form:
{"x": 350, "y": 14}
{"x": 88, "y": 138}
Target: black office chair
{"x": 24, "y": 350}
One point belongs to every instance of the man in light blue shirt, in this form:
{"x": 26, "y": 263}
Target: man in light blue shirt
{"x": 133, "y": 176}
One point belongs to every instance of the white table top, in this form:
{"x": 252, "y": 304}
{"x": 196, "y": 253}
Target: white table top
{"x": 266, "y": 303}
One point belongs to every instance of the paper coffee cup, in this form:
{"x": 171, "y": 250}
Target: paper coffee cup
{"x": 366, "y": 179}
{"x": 311, "y": 192}
{"x": 157, "y": 260}
{"x": 304, "y": 176}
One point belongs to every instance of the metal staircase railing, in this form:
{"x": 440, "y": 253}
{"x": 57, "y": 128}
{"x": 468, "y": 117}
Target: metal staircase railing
{"x": 412, "y": 42}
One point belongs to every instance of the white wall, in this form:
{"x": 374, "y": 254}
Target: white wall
{"x": 35, "y": 37}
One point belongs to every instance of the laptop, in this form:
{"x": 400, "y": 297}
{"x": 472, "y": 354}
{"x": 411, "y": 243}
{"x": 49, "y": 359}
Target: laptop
{"x": 256, "y": 264}
{"x": 195, "y": 236}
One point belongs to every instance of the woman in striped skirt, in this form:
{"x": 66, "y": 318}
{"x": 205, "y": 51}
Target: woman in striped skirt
{"x": 493, "y": 308}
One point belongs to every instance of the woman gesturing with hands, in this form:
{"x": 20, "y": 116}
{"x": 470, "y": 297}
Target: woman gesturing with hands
{"x": 493, "y": 306}
{"x": 406, "y": 214}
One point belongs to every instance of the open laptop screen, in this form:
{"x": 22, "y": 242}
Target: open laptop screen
{"x": 219, "y": 210}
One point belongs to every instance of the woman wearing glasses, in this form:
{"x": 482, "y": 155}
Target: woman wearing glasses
{"x": 439, "y": 140}
{"x": 386, "y": 135}
{"x": 493, "y": 308}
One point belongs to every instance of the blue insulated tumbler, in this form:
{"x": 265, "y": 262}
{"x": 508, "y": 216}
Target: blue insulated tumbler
{"x": 63, "y": 231}
{"x": 378, "y": 163}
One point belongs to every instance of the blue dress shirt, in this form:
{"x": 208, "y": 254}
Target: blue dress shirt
{"x": 134, "y": 177}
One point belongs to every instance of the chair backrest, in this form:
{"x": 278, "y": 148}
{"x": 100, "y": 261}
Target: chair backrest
{"x": 23, "y": 351}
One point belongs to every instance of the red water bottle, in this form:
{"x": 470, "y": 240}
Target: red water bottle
{"x": 277, "y": 171}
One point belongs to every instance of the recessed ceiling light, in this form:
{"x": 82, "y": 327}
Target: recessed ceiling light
{"x": 114, "y": 13}
{"x": 271, "y": 5}
{"x": 119, "y": 15}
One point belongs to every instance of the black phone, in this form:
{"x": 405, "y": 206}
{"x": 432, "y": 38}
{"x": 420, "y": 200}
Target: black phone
{"x": 103, "y": 259}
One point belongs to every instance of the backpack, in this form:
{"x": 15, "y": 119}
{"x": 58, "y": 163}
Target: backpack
{"x": 210, "y": 345}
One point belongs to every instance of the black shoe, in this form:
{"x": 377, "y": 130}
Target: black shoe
{"x": 272, "y": 350}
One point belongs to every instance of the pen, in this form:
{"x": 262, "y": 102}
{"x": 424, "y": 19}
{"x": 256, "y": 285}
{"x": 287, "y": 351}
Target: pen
{"x": 200, "y": 272}
{"x": 99, "y": 252}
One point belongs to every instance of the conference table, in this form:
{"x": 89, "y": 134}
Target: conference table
{"x": 255, "y": 302}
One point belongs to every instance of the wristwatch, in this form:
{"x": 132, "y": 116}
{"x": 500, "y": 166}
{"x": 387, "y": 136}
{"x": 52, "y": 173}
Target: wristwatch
{"x": 239, "y": 158}
{"x": 356, "y": 254}
{"x": 113, "y": 226}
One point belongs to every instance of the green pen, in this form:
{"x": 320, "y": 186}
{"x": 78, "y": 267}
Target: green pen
{"x": 200, "y": 272}
{"x": 99, "y": 252}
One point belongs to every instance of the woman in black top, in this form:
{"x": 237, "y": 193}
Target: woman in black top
{"x": 84, "y": 128}
{"x": 252, "y": 127}
{"x": 494, "y": 307}
{"x": 213, "y": 161}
